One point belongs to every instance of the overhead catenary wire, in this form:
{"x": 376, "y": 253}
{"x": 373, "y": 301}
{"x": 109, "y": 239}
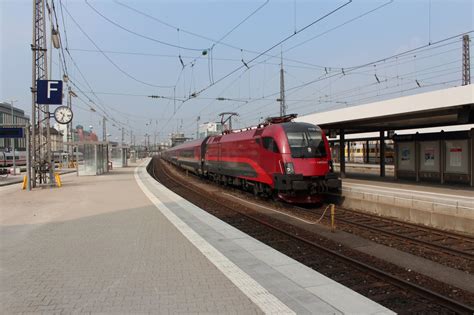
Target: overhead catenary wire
{"x": 275, "y": 45}
{"x": 63, "y": 22}
{"x": 109, "y": 59}
{"x": 80, "y": 90}
{"x": 63, "y": 63}
{"x": 348, "y": 97}
{"x": 408, "y": 56}
{"x": 334, "y": 28}
{"x": 301, "y": 92}
{"x": 61, "y": 53}
{"x": 321, "y": 78}
{"x": 253, "y": 100}
{"x": 62, "y": 57}
{"x": 104, "y": 111}
{"x": 373, "y": 62}
{"x": 239, "y": 24}
{"x": 202, "y": 36}
{"x": 346, "y": 101}
{"x": 302, "y": 66}
{"x": 139, "y": 34}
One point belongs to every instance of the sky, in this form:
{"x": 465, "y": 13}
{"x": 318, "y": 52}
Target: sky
{"x": 189, "y": 53}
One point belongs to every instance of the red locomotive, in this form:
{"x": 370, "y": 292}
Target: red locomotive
{"x": 288, "y": 159}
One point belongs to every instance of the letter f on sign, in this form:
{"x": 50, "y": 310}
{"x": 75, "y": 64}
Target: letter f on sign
{"x": 50, "y": 88}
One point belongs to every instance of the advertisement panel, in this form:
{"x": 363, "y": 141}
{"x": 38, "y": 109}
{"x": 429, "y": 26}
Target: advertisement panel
{"x": 457, "y": 156}
{"x": 406, "y": 156}
{"x": 429, "y": 156}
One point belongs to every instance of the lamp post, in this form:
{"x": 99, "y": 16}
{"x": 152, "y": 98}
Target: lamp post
{"x": 13, "y": 140}
{"x": 69, "y": 125}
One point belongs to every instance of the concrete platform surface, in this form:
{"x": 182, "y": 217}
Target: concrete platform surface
{"x": 445, "y": 207}
{"x": 99, "y": 244}
{"x": 18, "y": 178}
{"x": 456, "y": 198}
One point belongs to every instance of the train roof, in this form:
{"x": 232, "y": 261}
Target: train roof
{"x": 188, "y": 144}
{"x": 246, "y": 133}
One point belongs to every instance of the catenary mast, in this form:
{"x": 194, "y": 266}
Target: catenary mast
{"x": 42, "y": 166}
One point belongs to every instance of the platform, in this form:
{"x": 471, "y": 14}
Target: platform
{"x": 122, "y": 243}
{"x": 440, "y": 206}
{"x": 18, "y": 178}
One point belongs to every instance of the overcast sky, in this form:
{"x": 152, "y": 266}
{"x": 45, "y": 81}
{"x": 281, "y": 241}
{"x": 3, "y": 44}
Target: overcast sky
{"x": 140, "y": 57}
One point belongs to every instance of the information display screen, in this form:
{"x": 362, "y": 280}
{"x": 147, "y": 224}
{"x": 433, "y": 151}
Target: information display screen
{"x": 11, "y": 132}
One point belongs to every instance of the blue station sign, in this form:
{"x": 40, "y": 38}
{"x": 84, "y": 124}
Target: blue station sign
{"x": 11, "y": 132}
{"x": 49, "y": 92}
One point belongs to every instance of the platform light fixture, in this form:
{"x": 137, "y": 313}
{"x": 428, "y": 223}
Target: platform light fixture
{"x": 55, "y": 38}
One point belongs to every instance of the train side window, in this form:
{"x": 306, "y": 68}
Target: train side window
{"x": 270, "y": 144}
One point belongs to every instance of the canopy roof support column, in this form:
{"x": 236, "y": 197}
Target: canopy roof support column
{"x": 382, "y": 153}
{"x": 342, "y": 155}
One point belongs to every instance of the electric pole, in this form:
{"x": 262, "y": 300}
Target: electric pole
{"x": 197, "y": 126}
{"x": 282, "y": 89}
{"x": 104, "y": 129}
{"x": 13, "y": 139}
{"x": 466, "y": 61}
{"x": 69, "y": 125}
{"x": 40, "y": 152}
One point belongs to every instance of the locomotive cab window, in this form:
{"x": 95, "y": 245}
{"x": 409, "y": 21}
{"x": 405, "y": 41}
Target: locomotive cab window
{"x": 270, "y": 144}
{"x": 306, "y": 143}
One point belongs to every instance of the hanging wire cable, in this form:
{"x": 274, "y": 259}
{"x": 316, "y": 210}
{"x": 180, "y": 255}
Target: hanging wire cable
{"x": 303, "y": 66}
{"x": 140, "y": 35}
{"x": 272, "y": 47}
{"x": 210, "y": 51}
{"x": 63, "y": 22}
{"x": 109, "y": 59}
{"x": 323, "y": 77}
{"x": 375, "y": 62}
{"x": 239, "y": 24}
{"x": 205, "y": 37}
{"x": 352, "y": 69}
{"x": 63, "y": 59}
{"x": 337, "y": 26}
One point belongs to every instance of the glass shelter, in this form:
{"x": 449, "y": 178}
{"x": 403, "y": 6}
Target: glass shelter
{"x": 91, "y": 157}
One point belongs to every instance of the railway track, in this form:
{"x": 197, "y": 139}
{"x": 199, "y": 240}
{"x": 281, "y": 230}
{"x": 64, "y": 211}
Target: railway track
{"x": 354, "y": 271}
{"x": 447, "y": 242}
{"x": 443, "y": 247}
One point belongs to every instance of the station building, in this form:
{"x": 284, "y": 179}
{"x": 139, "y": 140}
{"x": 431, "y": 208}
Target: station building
{"x": 19, "y": 118}
{"x": 209, "y": 129}
{"x": 56, "y": 139}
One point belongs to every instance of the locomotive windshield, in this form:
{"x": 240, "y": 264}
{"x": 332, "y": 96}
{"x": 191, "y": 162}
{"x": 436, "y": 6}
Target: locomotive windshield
{"x": 305, "y": 141}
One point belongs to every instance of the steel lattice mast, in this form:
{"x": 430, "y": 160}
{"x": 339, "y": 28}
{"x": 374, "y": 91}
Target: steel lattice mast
{"x": 466, "y": 61}
{"x": 41, "y": 161}
{"x": 282, "y": 90}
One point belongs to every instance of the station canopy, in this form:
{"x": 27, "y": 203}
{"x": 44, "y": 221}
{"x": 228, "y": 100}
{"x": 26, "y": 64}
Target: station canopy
{"x": 446, "y": 107}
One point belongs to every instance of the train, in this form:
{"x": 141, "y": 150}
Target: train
{"x": 288, "y": 160}
{"x": 6, "y": 158}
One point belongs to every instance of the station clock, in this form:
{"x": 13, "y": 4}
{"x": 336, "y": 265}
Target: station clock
{"x": 63, "y": 115}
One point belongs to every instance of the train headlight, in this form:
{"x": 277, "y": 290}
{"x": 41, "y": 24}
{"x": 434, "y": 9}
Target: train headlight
{"x": 289, "y": 168}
